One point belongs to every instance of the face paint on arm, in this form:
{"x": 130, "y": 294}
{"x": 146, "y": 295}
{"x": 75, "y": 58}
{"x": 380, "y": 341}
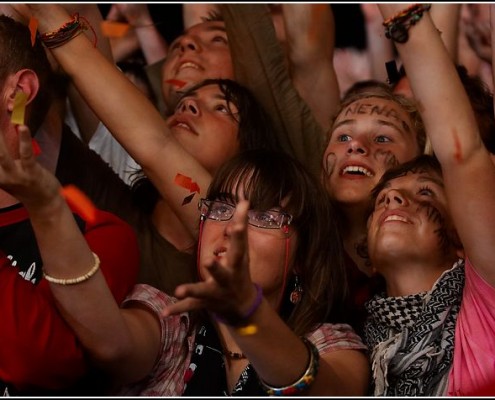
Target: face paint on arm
{"x": 457, "y": 145}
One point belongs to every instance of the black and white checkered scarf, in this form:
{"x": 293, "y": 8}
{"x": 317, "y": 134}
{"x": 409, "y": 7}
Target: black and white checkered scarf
{"x": 412, "y": 337}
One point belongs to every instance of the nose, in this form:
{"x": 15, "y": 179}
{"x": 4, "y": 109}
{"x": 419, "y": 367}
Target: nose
{"x": 356, "y": 146}
{"x": 395, "y": 198}
{"x": 189, "y": 106}
{"x": 188, "y": 42}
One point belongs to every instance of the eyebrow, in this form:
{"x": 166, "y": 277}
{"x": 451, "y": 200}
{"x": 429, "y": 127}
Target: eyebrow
{"x": 436, "y": 181}
{"x": 351, "y": 121}
{"x": 194, "y": 94}
{"x": 421, "y": 178}
{"x": 210, "y": 28}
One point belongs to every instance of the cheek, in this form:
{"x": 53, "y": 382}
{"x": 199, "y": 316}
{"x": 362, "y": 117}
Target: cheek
{"x": 267, "y": 257}
{"x": 386, "y": 158}
{"x": 329, "y": 161}
{"x": 222, "y": 66}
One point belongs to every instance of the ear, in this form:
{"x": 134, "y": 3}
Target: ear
{"x": 24, "y": 80}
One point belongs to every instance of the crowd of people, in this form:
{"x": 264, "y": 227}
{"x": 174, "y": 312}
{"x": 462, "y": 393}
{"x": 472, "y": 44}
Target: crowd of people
{"x": 238, "y": 214}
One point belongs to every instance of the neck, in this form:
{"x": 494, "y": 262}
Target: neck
{"x": 172, "y": 229}
{"x": 410, "y": 277}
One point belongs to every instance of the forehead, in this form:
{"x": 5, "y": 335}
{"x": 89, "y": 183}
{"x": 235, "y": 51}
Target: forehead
{"x": 205, "y": 27}
{"x": 374, "y": 108}
{"x": 211, "y": 90}
{"x": 416, "y": 178}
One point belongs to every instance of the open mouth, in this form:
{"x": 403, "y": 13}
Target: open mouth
{"x": 356, "y": 170}
{"x": 220, "y": 252}
{"x": 188, "y": 64}
{"x": 396, "y": 217}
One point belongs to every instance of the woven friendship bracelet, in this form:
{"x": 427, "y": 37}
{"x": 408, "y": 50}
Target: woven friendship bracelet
{"x": 305, "y": 381}
{"x": 397, "y": 26}
{"x": 79, "y": 279}
{"x": 68, "y": 31}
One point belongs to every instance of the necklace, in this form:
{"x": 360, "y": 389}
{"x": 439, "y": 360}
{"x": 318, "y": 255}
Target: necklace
{"x": 234, "y": 356}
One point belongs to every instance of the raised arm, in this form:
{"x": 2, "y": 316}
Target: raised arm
{"x": 277, "y": 354}
{"x": 446, "y": 19}
{"x": 127, "y": 113}
{"x": 260, "y": 65}
{"x": 116, "y": 341}
{"x": 469, "y": 173}
{"x": 87, "y": 120}
{"x": 142, "y": 26}
{"x": 379, "y": 49}
{"x": 310, "y": 35}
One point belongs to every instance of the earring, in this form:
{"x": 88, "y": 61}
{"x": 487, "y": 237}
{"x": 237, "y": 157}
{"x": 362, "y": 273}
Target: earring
{"x": 297, "y": 292}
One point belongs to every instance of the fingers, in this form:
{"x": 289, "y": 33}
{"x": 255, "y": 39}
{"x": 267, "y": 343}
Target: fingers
{"x": 238, "y": 249}
{"x": 25, "y": 143}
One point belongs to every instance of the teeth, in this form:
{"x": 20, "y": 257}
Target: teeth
{"x": 219, "y": 253}
{"x": 354, "y": 169}
{"x": 189, "y": 65}
{"x": 183, "y": 125}
{"x": 395, "y": 218}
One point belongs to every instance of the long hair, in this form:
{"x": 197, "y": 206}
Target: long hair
{"x": 255, "y": 132}
{"x": 270, "y": 179}
{"x": 16, "y": 53}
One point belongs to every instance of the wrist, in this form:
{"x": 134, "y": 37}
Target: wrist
{"x": 243, "y": 316}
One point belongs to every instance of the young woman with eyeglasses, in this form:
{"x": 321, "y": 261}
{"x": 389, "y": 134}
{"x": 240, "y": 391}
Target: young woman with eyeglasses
{"x": 257, "y": 322}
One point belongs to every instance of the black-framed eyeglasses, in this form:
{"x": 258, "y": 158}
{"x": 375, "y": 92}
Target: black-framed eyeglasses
{"x": 218, "y": 210}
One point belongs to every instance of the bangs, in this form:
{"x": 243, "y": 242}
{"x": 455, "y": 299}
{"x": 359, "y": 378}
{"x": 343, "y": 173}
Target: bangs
{"x": 265, "y": 178}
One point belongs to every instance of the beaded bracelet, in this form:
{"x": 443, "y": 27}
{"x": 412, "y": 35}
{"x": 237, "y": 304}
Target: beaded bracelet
{"x": 79, "y": 279}
{"x": 67, "y": 32}
{"x": 304, "y": 382}
{"x": 396, "y": 27}
{"x": 242, "y": 320}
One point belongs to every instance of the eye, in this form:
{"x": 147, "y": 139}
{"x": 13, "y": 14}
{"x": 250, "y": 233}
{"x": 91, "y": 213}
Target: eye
{"x": 426, "y": 191}
{"x": 343, "y": 138}
{"x": 219, "y": 39}
{"x": 220, "y": 211}
{"x": 222, "y": 108}
{"x": 382, "y": 139}
{"x": 266, "y": 219}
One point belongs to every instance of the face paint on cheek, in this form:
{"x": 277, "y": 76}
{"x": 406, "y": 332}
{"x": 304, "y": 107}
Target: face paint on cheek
{"x": 329, "y": 165}
{"x": 388, "y": 158}
{"x": 445, "y": 240}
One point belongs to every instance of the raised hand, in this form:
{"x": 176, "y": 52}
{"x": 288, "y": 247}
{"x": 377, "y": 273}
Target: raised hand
{"x": 227, "y": 289}
{"x": 22, "y": 176}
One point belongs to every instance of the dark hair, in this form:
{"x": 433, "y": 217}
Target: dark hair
{"x": 420, "y": 164}
{"x": 255, "y": 125}
{"x": 373, "y": 89}
{"x": 269, "y": 179}
{"x": 481, "y": 99}
{"x": 17, "y": 53}
{"x": 255, "y": 131}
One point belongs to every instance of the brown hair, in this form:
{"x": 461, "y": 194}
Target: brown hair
{"x": 270, "y": 178}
